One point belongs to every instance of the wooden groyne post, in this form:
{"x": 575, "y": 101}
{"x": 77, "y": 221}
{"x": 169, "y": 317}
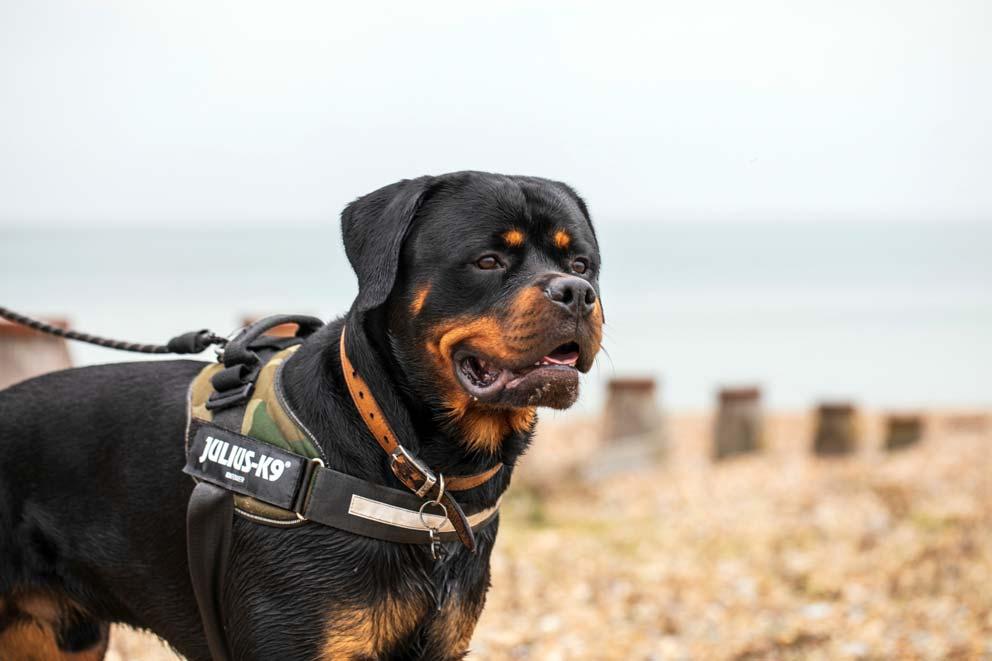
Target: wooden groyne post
{"x": 903, "y": 430}
{"x": 738, "y": 422}
{"x": 836, "y": 429}
{"x": 633, "y": 434}
{"x": 25, "y": 353}
{"x": 631, "y": 409}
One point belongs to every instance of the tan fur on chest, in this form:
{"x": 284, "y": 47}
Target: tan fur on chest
{"x": 370, "y": 632}
{"x": 453, "y": 627}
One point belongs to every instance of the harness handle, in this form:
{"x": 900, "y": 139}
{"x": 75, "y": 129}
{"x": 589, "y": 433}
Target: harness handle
{"x": 238, "y": 350}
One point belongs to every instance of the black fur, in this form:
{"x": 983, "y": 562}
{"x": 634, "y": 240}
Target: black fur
{"x": 93, "y": 500}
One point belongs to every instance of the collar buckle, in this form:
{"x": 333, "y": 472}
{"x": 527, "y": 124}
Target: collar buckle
{"x": 401, "y": 456}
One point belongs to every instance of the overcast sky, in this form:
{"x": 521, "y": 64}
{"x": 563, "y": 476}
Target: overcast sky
{"x": 137, "y": 112}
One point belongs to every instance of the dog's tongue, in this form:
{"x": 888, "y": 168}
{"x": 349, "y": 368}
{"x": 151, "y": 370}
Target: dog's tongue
{"x": 561, "y": 357}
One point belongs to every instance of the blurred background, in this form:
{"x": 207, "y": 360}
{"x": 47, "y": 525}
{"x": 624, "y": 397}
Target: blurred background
{"x": 784, "y": 451}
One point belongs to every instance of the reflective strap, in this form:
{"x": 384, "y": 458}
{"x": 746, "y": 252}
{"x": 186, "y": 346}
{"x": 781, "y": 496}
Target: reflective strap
{"x": 381, "y": 512}
{"x": 364, "y": 508}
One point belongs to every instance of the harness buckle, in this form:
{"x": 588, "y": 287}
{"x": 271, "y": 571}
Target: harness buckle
{"x": 306, "y": 484}
{"x": 222, "y": 400}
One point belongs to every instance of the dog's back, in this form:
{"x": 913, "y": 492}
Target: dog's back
{"x": 74, "y": 445}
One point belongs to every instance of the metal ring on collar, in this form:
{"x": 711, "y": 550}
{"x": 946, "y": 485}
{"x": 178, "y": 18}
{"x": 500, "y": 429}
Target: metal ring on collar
{"x": 421, "y": 513}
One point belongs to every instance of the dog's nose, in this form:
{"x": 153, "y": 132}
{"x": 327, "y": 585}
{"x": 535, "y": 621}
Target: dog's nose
{"x": 572, "y": 293}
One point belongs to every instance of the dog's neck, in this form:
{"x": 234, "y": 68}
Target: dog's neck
{"x": 317, "y": 392}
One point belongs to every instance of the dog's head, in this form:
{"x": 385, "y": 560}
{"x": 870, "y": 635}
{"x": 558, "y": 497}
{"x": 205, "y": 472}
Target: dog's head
{"x": 488, "y": 287}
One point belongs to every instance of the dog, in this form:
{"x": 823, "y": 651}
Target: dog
{"x": 478, "y": 302}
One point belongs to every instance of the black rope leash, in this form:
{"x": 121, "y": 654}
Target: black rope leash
{"x": 192, "y": 342}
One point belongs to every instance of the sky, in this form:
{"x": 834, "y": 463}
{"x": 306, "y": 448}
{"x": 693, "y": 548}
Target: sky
{"x": 223, "y": 113}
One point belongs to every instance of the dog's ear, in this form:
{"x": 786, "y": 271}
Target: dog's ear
{"x": 374, "y": 227}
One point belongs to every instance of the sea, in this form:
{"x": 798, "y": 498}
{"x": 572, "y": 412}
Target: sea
{"x": 889, "y": 316}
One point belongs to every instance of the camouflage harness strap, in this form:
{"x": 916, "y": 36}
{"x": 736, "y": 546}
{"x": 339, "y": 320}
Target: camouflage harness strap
{"x": 264, "y": 418}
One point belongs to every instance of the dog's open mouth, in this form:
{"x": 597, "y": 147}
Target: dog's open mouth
{"x": 535, "y": 384}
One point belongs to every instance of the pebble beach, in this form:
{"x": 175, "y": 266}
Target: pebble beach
{"x": 775, "y": 555}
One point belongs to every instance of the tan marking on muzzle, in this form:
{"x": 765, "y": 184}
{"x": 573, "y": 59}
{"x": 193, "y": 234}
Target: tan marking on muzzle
{"x": 484, "y": 427}
{"x": 484, "y": 334}
{"x": 596, "y": 317}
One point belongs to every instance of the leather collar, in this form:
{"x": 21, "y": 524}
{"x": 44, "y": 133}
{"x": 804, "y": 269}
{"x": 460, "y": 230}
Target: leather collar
{"x": 406, "y": 466}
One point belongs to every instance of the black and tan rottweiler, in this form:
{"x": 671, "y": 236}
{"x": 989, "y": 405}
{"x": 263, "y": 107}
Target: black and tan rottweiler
{"x": 478, "y": 302}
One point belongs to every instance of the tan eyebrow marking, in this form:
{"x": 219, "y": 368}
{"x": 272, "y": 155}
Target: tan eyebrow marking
{"x": 514, "y": 238}
{"x": 562, "y": 239}
{"x": 418, "y": 299}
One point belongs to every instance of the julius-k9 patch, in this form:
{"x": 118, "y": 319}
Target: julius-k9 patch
{"x": 244, "y": 465}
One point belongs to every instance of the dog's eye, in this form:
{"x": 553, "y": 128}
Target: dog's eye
{"x": 489, "y": 262}
{"x": 580, "y": 265}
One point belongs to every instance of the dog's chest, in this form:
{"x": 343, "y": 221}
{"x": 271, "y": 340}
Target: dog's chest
{"x": 403, "y": 615}
{"x": 398, "y": 623}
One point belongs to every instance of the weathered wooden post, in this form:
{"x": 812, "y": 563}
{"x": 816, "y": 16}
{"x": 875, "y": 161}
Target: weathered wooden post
{"x": 25, "y": 353}
{"x": 631, "y": 409}
{"x": 962, "y": 422}
{"x": 633, "y": 429}
{"x": 903, "y": 430}
{"x": 738, "y": 422}
{"x": 836, "y": 429}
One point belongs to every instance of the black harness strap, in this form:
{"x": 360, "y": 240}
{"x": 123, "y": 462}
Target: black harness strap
{"x": 210, "y": 512}
{"x": 209, "y": 517}
{"x": 209, "y": 521}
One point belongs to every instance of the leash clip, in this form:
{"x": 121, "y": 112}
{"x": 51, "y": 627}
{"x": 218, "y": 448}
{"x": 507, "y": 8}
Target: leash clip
{"x": 219, "y": 348}
{"x": 437, "y": 551}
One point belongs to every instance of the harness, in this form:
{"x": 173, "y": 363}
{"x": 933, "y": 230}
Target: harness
{"x": 252, "y": 457}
